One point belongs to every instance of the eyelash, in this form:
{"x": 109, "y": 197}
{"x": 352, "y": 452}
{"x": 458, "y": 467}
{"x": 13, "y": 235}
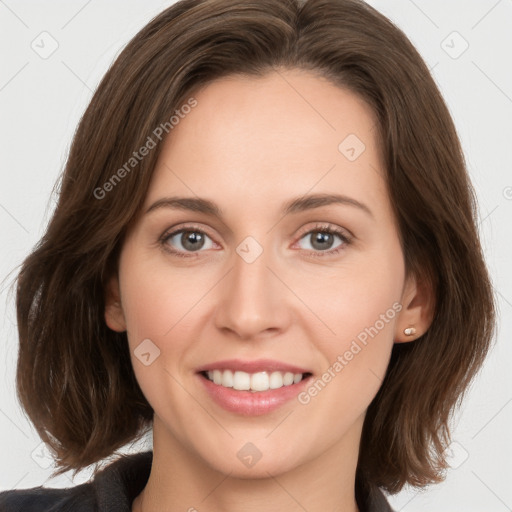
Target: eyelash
{"x": 319, "y": 228}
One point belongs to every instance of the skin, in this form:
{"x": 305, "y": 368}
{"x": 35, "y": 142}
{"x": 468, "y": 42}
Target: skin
{"x": 250, "y": 145}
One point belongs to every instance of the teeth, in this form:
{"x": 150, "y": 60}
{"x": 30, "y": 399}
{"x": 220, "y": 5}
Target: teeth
{"x": 227, "y": 379}
{"x": 261, "y": 381}
{"x": 276, "y": 380}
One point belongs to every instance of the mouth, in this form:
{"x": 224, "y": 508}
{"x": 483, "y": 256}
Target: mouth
{"x": 256, "y": 382}
{"x": 252, "y": 387}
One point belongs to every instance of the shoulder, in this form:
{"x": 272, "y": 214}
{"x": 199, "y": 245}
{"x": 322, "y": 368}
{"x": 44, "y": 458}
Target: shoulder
{"x": 378, "y": 502}
{"x": 112, "y": 490}
{"x": 42, "y": 499}
{"x": 370, "y": 497}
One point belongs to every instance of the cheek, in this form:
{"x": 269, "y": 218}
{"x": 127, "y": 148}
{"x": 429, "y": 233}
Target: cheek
{"x": 158, "y": 301}
{"x": 359, "y": 310}
{"x": 361, "y": 294}
{"x": 159, "y": 312}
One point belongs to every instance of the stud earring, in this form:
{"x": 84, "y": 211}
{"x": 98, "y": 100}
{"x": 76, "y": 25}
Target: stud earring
{"x": 409, "y": 331}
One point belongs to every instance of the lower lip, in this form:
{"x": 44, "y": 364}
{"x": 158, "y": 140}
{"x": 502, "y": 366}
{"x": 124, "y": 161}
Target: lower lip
{"x": 250, "y": 403}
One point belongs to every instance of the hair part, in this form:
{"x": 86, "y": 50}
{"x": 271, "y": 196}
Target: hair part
{"x": 74, "y": 374}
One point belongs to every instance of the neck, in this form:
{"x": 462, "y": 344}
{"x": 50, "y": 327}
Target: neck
{"x": 181, "y": 480}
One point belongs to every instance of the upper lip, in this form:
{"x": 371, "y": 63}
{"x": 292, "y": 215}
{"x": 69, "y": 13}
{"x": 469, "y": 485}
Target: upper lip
{"x": 257, "y": 365}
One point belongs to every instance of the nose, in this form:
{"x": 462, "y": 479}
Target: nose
{"x": 254, "y": 298}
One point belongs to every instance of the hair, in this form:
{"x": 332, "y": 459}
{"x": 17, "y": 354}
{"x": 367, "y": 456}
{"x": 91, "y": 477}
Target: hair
{"x": 74, "y": 375}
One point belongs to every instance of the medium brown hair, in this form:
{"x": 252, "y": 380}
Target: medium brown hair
{"x": 74, "y": 374}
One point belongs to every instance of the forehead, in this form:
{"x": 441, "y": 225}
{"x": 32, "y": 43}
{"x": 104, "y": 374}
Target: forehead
{"x": 285, "y": 134}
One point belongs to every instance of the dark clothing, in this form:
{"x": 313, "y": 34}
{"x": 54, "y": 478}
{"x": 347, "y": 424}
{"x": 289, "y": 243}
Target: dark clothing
{"x": 114, "y": 488}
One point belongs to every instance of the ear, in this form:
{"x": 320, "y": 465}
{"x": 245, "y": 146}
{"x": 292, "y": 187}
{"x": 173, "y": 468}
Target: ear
{"x": 418, "y": 305}
{"x": 114, "y": 315}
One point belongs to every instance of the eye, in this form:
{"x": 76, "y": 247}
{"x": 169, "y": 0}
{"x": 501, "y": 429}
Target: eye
{"x": 322, "y": 237}
{"x": 188, "y": 240}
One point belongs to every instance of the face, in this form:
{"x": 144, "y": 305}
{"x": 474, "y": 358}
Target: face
{"x": 317, "y": 289}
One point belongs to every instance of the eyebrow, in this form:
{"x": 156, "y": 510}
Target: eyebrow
{"x": 296, "y": 205}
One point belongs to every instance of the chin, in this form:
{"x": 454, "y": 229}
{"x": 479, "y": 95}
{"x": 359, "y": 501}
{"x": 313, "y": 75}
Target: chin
{"x": 245, "y": 461}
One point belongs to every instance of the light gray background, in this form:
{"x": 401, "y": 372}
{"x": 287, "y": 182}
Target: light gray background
{"x": 42, "y": 99}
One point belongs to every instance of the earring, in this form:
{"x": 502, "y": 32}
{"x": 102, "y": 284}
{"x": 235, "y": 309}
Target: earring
{"x": 409, "y": 331}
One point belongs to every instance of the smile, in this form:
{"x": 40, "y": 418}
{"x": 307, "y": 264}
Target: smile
{"x": 256, "y": 382}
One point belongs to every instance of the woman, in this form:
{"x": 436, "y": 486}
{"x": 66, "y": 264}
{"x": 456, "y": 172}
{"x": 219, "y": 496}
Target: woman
{"x": 273, "y": 370}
